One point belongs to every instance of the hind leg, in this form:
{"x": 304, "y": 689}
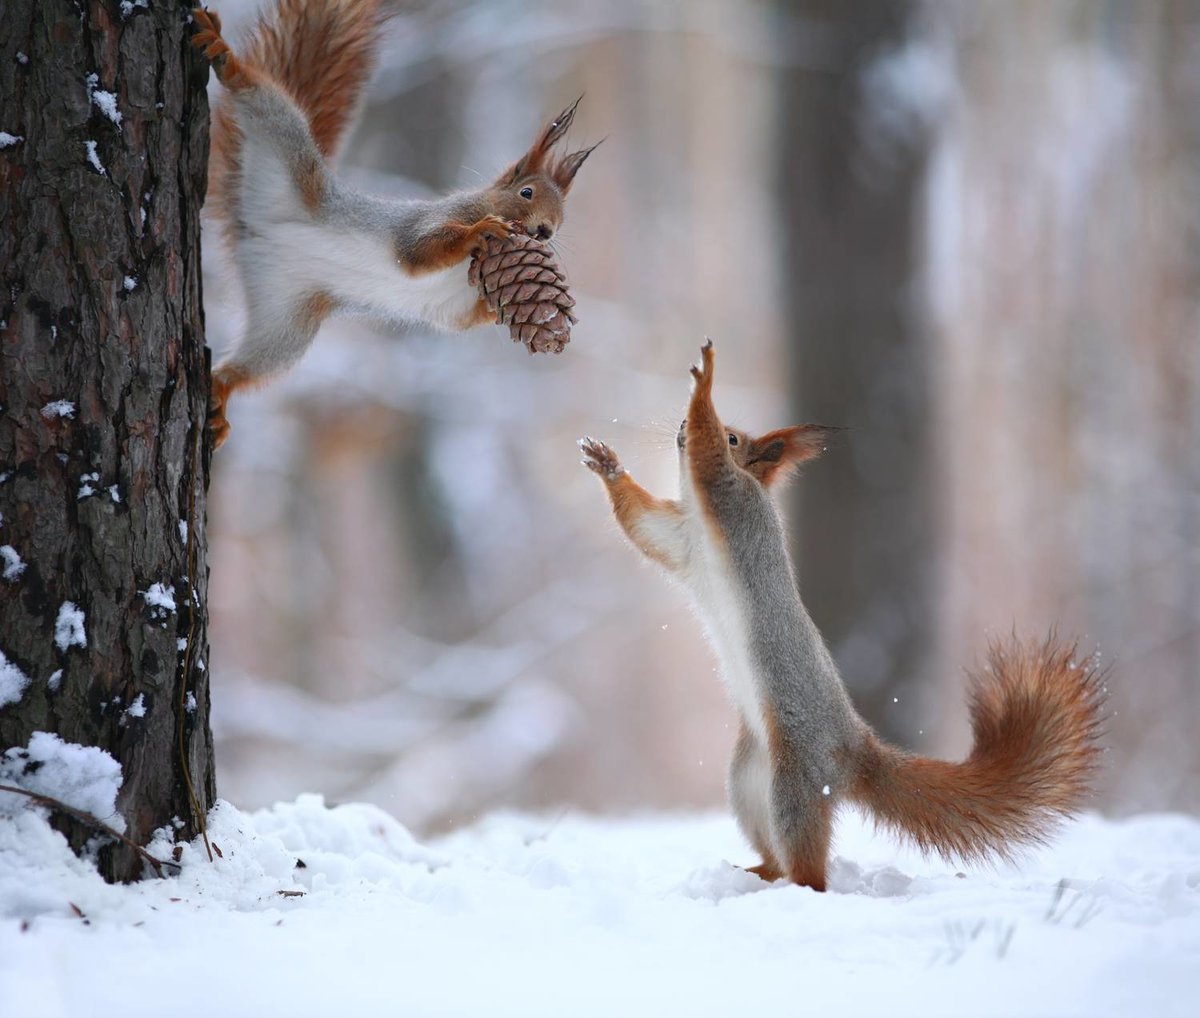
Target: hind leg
{"x": 230, "y": 71}
{"x": 807, "y": 855}
{"x": 803, "y": 825}
{"x": 749, "y": 795}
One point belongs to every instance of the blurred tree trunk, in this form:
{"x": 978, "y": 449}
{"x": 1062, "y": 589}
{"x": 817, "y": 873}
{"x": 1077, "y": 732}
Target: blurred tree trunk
{"x": 104, "y": 387}
{"x": 850, "y": 180}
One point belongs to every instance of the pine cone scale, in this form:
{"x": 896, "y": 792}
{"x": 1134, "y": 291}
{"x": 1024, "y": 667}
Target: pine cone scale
{"x": 520, "y": 281}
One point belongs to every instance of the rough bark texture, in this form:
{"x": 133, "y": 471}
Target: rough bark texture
{"x": 850, "y": 186}
{"x": 101, "y": 308}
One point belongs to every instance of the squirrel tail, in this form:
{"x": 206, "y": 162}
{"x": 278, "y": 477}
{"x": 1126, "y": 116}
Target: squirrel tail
{"x": 1036, "y": 713}
{"x": 322, "y": 53}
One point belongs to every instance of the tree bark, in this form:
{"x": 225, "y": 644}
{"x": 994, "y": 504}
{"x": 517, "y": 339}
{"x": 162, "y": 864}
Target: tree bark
{"x": 850, "y": 186}
{"x": 104, "y": 390}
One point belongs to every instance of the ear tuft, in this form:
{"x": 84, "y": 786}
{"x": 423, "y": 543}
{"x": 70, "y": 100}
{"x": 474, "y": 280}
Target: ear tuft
{"x": 535, "y": 160}
{"x": 564, "y": 170}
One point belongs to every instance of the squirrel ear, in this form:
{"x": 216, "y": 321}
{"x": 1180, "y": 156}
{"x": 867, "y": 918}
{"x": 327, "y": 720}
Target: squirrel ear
{"x": 565, "y": 168}
{"x": 554, "y": 131}
{"x": 534, "y": 160}
{"x": 771, "y": 455}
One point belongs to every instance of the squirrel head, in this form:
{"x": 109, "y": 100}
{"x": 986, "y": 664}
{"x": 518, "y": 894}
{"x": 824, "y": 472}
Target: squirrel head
{"x": 772, "y": 457}
{"x": 532, "y": 191}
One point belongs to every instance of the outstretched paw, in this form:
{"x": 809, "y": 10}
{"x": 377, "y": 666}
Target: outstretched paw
{"x": 703, "y": 372}
{"x": 600, "y": 459}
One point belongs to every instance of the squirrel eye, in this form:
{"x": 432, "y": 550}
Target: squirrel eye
{"x": 527, "y": 192}
{"x": 733, "y": 439}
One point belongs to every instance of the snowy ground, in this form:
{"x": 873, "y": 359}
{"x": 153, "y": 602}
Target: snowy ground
{"x": 578, "y": 916}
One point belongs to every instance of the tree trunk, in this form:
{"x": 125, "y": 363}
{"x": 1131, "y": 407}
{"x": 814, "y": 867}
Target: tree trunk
{"x": 851, "y": 161}
{"x": 104, "y": 389}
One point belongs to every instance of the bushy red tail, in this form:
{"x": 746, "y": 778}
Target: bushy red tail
{"x": 322, "y": 53}
{"x": 1036, "y": 712}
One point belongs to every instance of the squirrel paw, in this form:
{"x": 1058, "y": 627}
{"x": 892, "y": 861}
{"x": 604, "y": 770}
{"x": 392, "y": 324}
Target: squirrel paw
{"x": 703, "y": 372}
{"x": 600, "y": 459}
{"x": 207, "y": 37}
{"x": 218, "y": 424}
{"x": 492, "y": 226}
{"x": 230, "y": 71}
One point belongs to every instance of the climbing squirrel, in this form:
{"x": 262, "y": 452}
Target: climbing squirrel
{"x": 802, "y": 749}
{"x": 305, "y": 244}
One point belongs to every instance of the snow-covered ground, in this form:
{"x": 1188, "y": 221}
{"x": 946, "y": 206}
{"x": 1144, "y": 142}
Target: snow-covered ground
{"x": 339, "y": 911}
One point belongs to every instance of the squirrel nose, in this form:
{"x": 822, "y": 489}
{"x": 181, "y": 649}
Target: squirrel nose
{"x": 544, "y": 232}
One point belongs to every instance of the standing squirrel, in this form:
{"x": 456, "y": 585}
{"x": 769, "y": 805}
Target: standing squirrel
{"x": 306, "y": 245}
{"x": 802, "y": 749}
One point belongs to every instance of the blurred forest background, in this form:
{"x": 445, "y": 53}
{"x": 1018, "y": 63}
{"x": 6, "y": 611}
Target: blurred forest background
{"x": 969, "y": 232}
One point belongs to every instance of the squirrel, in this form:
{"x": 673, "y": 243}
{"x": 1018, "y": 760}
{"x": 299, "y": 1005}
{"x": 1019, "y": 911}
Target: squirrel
{"x": 305, "y": 244}
{"x": 802, "y": 749}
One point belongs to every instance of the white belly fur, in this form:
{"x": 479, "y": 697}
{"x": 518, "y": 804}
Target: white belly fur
{"x": 360, "y": 273}
{"x": 287, "y": 252}
{"x": 720, "y": 605}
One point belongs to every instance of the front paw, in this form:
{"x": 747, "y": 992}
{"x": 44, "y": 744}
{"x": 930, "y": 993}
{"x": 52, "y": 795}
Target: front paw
{"x": 703, "y": 372}
{"x": 600, "y": 459}
{"x": 492, "y": 227}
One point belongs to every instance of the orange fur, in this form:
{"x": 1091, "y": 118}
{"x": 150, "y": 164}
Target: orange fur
{"x": 225, "y": 382}
{"x": 767, "y": 870}
{"x": 320, "y": 52}
{"x": 451, "y": 244}
{"x": 771, "y": 457}
{"x": 630, "y": 501}
{"x": 1037, "y": 714}
{"x": 539, "y": 160}
{"x": 707, "y": 445}
{"x": 480, "y": 314}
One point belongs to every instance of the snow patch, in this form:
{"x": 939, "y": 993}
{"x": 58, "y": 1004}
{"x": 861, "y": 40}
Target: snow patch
{"x": 13, "y": 566}
{"x": 94, "y": 159}
{"x": 137, "y": 709}
{"x": 54, "y": 683}
{"x": 85, "y": 485}
{"x": 596, "y": 917}
{"x": 160, "y": 599}
{"x": 129, "y": 6}
{"x": 58, "y": 408}
{"x": 8, "y": 140}
{"x": 105, "y": 102}
{"x": 129, "y": 283}
{"x": 13, "y": 682}
{"x": 84, "y": 777}
{"x": 68, "y": 627}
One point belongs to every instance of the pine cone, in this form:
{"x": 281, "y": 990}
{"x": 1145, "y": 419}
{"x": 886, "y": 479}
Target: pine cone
{"x": 521, "y": 282}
